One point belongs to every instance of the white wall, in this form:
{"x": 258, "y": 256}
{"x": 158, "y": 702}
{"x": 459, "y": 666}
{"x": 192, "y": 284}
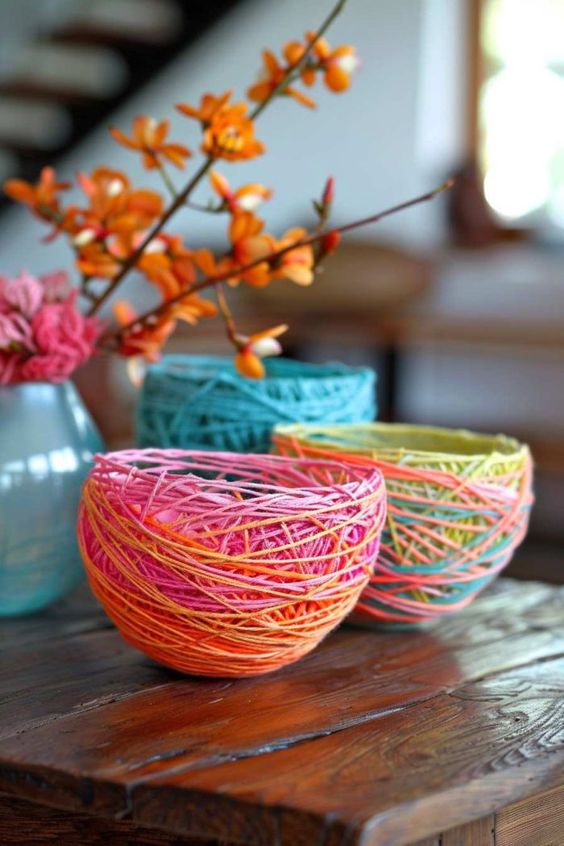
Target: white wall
{"x": 386, "y": 140}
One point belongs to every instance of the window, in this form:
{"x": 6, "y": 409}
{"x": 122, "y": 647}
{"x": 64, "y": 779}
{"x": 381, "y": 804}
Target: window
{"x": 521, "y": 108}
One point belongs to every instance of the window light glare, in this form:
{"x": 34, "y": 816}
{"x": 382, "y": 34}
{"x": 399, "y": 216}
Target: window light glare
{"x": 513, "y": 193}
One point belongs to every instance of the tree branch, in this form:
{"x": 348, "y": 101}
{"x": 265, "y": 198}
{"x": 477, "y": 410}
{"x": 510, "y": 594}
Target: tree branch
{"x": 274, "y": 256}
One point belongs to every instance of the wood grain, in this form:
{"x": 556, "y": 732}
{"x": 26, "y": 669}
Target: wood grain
{"x": 478, "y": 833}
{"x": 70, "y": 673}
{"x": 100, "y": 667}
{"x": 375, "y": 738}
{"x": 48, "y": 826}
{"x": 538, "y": 821}
{"x": 352, "y": 678}
{"x": 74, "y": 615}
{"x": 421, "y": 769}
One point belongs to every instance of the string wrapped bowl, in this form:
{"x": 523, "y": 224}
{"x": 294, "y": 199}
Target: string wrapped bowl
{"x": 222, "y": 564}
{"x": 458, "y": 506}
{"x": 201, "y": 402}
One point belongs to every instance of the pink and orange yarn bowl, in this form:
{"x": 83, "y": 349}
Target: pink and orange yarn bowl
{"x": 222, "y": 564}
{"x": 458, "y": 507}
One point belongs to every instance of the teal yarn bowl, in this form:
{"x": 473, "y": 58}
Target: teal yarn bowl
{"x": 201, "y": 402}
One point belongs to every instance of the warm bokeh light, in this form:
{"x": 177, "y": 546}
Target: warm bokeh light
{"x": 522, "y": 107}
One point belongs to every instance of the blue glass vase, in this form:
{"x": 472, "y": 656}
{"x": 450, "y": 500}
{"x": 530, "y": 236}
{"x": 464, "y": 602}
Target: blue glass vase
{"x": 47, "y": 440}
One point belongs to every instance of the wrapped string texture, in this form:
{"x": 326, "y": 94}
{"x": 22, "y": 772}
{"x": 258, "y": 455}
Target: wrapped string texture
{"x": 458, "y": 506}
{"x": 202, "y": 403}
{"x": 227, "y": 565}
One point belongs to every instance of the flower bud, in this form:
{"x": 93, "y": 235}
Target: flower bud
{"x": 328, "y": 192}
{"x": 330, "y": 242}
{"x": 265, "y": 347}
{"x": 84, "y": 237}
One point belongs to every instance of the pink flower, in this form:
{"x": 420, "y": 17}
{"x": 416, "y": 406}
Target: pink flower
{"x": 24, "y": 293}
{"x": 15, "y": 331}
{"x": 43, "y": 335}
{"x": 64, "y": 339}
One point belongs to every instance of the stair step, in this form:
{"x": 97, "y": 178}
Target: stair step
{"x": 89, "y": 71}
{"x": 33, "y": 125}
{"x": 8, "y": 164}
{"x": 81, "y": 60}
{"x": 124, "y": 21}
{"x": 68, "y": 97}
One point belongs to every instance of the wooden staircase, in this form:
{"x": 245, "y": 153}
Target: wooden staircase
{"x": 76, "y": 69}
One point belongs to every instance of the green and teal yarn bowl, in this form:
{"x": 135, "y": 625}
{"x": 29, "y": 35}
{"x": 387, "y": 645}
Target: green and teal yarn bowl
{"x": 458, "y": 507}
{"x": 201, "y": 402}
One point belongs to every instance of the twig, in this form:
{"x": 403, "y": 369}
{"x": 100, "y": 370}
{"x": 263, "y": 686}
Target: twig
{"x": 226, "y": 313}
{"x": 274, "y": 256}
{"x": 208, "y": 209}
{"x": 166, "y": 179}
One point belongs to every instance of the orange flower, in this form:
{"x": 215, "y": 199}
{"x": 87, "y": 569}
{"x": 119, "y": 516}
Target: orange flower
{"x": 41, "y": 197}
{"x": 253, "y": 348}
{"x": 294, "y": 50}
{"x": 273, "y": 73}
{"x": 210, "y": 106}
{"x": 208, "y": 264}
{"x": 249, "y": 244}
{"x": 105, "y": 190}
{"x": 148, "y": 137}
{"x": 297, "y": 264}
{"x": 228, "y": 132}
{"x": 245, "y": 198}
{"x": 167, "y": 263}
{"x": 192, "y": 307}
{"x": 114, "y": 205}
{"x": 145, "y": 341}
{"x": 110, "y": 228}
{"x": 337, "y": 64}
{"x": 170, "y": 265}
{"x": 95, "y": 260}
{"x": 231, "y": 135}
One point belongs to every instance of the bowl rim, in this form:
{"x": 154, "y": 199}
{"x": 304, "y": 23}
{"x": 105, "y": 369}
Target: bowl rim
{"x": 199, "y": 367}
{"x": 479, "y": 445}
{"x": 366, "y": 481}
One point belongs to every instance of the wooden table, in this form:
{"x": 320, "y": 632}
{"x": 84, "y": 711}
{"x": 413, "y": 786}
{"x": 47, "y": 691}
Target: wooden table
{"x": 451, "y": 735}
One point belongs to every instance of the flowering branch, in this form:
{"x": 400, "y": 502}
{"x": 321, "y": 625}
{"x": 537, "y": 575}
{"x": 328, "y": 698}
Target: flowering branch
{"x": 207, "y": 281}
{"x": 132, "y": 260}
{"x": 294, "y": 68}
{"x": 181, "y": 198}
{"x": 119, "y": 227}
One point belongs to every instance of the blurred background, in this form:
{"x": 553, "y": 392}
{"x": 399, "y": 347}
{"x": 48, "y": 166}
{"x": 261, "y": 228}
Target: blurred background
{"x": 458, "y": 304}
